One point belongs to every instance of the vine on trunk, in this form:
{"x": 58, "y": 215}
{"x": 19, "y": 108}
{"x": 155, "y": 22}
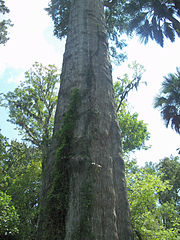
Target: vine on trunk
{"x": 58, "y": 195}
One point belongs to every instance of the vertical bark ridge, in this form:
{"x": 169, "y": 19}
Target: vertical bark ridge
{"x": 98, "y": 207}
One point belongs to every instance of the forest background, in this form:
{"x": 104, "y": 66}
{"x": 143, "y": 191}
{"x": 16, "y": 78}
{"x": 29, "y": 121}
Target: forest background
{"x": 32, "y": 40}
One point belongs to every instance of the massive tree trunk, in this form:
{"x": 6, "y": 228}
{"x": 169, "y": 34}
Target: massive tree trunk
{"x": 84, "y": 192}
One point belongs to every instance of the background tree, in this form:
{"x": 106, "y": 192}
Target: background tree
{"x": 20, "y": 168}
{"x": 32, "y": 105}
{"x": 24, "y": 177}
{"x": 170, "y": 169}
{"x": 134, "y": 132}
{"x": 168, "y": 101}
{"x": 147, "y": 214}
{"x": 9, "y": 219}
{"x": 4, "y": 24}
{"x": 31, "y": 109}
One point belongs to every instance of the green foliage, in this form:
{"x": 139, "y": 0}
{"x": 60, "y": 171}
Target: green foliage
{"x": 59, "y": 11}
{"x": 58, "y": 195}
{"x": 147, "y": 215}
{"x": 115, "y": 21}
{"x": 9, "y": 219}
{"x": 32, "y": 104}
{"x": 4, "y": 24}
{"x": 169, "y": 215}
{"x": 3, "y": 145}
{"x": 168, "y": 101}
{"x": 134, "y": 132}
{"x": 24, "y": 189}
{"x": 20, "y": 177}
{"x": 170, "y": 168}
{"x": 116, "y": 51}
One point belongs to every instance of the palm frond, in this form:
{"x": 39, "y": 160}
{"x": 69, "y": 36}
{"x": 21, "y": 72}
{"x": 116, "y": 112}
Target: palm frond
{"x": 159, "y": 101}
{"x": 158, "y": 35}
{"x": 168, "y": 113}
{"x": 175, "y": 123}
{"x": 168, "y": 31}
{"x": 144, "y": 32}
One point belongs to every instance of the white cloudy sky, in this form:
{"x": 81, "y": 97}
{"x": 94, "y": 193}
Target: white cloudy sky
{"x": 31, "y": 39}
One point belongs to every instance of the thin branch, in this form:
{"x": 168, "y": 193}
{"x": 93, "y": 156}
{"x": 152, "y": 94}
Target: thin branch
{"x": 128, "y": 88}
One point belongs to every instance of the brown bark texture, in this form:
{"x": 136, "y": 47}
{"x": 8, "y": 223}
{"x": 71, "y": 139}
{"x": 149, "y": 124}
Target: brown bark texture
{"x": 97, "y": 198}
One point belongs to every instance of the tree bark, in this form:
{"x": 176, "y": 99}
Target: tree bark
{"x": 97, "y": 198}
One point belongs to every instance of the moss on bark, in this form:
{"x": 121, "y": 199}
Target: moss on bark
{"x": 58, "y": 194}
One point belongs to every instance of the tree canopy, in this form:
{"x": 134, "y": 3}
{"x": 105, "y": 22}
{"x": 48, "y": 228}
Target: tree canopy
{"x": 20, "y": 177}
{"x": 134, "y": 132}
{"x": 155, "y": 19}
{"x": 151, "y": 218}
{"x": 9, "y": 219}
{"x": 32, "y": 104}
{"x": 170, "y": 168}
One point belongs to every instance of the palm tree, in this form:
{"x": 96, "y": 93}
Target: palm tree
{"x": 83, "y": 185}
{"x": 169, "y": 100}
{"x": 153, "y": 19}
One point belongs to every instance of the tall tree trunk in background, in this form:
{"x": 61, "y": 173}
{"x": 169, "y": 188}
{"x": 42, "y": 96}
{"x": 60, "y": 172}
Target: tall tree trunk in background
{"x": 84, "y": 192}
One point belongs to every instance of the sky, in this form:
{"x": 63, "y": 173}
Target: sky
{"x": 31, "y": 39}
